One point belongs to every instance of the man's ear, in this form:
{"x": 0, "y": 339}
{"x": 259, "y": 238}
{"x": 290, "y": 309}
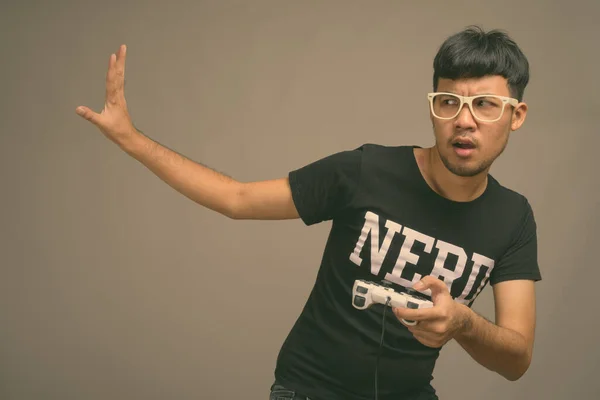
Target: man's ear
{"x": 518, "y": 116}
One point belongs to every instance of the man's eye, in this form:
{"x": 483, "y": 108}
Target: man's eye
{"x": 487, "y": 103}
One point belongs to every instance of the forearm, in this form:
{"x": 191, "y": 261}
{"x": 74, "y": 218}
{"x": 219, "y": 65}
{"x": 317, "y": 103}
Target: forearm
{"x": 201, "y": 184}
{"x": 499, "y": 349}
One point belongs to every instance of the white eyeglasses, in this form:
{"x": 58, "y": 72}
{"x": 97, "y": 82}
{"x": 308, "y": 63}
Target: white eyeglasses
{"x": 487, "y": 108}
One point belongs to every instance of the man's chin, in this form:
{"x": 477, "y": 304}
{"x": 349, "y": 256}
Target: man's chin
{"x": 465, "y": 172}
{"x": 464, "y": 169}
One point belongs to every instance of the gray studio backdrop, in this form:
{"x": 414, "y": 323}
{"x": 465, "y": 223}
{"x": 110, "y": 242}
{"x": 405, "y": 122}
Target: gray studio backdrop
{"x": 114, "y": 286}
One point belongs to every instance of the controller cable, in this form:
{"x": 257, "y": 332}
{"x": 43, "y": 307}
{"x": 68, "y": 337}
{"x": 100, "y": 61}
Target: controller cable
{"x": 380, "y": 346}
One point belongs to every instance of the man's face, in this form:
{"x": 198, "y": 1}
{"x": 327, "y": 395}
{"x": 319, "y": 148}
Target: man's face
{"x": 468, "y": 146}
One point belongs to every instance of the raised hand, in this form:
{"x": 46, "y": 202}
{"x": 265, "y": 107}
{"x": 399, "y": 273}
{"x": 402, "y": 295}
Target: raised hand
{"x": 114, "y": 120}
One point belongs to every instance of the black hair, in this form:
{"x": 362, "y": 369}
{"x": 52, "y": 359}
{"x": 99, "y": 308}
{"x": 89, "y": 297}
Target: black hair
{"x": 474, "y": 53}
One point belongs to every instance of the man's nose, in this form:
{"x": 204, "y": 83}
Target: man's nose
{"x": 465, "y": 119}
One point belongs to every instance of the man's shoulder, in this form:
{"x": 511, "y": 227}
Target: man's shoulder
{"x": 386, "y": 156}
{"x": 508, "y": 197}
{"x": 371, "y": 157}
{"x": 386, "y": 149}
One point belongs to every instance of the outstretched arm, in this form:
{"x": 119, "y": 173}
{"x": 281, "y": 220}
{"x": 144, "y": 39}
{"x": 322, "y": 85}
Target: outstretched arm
{"x": 254, "y": 200}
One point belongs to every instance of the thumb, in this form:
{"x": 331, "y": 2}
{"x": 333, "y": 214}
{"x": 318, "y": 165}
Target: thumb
{"x": 87, "y": 114}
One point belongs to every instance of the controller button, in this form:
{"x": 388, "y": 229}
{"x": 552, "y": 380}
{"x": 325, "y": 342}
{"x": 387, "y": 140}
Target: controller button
{"x": 361, "y": 289}
{"x": 410, "y": 304}
{"x": 359, "y": 301}
{"x": 415, "y": 293}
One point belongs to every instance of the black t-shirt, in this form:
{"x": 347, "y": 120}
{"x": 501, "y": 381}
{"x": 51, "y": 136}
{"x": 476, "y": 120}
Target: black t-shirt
{"x": 387, "y": 223}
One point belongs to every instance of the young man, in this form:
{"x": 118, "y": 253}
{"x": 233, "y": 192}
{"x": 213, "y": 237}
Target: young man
{"x": 430, "y": 219}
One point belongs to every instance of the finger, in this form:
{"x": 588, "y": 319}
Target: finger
{"x": 430, "y": 282}
{"x": 111, "y": 85}
{"x": 408, "y": 323}
{"x": 121, "y": 56}
{"x": 416, "y": 329}
{"x": 433, "y": 284}
{"x": 120, "y": 67}
{"x": 87, "y": 114}
{"x": 115, "y": 79}
{"x": 415, "y": 314}
{"x": 424, "y": 327}
{"x": 425, "y": 338}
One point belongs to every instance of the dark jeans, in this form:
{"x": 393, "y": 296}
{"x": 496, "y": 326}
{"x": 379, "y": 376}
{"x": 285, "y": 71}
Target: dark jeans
{"x": 279, "y": 392}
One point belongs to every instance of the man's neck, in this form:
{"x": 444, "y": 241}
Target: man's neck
{"x": 444, "y": 182}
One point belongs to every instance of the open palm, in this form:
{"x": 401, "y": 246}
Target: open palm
{"x": 114, "y": 120}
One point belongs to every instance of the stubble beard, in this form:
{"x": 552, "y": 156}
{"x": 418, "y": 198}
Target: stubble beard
{"x": 466, "y": 171}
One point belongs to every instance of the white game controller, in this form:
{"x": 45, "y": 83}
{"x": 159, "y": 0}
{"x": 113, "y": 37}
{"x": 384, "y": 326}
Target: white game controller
{"x": 365, "y": 294}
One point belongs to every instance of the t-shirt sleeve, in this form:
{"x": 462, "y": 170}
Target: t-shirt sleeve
{"x": 521, "y": 259}
{"x": 325, "y": 188}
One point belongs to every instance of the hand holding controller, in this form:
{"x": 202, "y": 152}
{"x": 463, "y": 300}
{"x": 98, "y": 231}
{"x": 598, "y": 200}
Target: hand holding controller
{"x": 365, "y": 294}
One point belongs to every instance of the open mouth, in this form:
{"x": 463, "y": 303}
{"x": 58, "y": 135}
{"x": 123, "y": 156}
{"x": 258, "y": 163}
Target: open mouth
{"x": 463, "y": 144}
{"x": 464, "y": 147}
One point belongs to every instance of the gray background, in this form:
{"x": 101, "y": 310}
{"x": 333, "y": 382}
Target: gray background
{"x": 114, "y": 286}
